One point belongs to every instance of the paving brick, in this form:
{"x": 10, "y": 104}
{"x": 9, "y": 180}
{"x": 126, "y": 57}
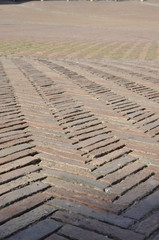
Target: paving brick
{"x": 18, "y": 163}
{"x": 107, "y": 217}
{"x": 70, "y": 119}
{"x": 14, "y": 196}
{"x": 55, "y": 237}
{"x": 96, "y": 147}
{"x": 156, "y": 237}
{"x": 75, "y": 169}
{"x": 83, "y": 180}
{"x": 106, "y": 149}
{"x": 62, "y": 159}
{"x": 111, "y": 156}
{"x": 155, "y": 168}
{"x": 18, "y": 155}
{"x": 148, "y": 225}
{"x": 145, "y": 206}
{"x": 49, "y": 142}
{"x": 93, "y": 140}
{"x": 79, "y": 122}
{"x": 137, "y": 193}
{"x": 80, "y": 234}
{"x": 80, "y": 197}
{"x": 94, "y": 225}
{"x": 23, "y": 206}
{"x": 11, "y": 123}
{"x": 79, "y": 188}
{"x": 20, "y": 182}
{"x": 150, "y": 126}
{"x": 14, "y": 142}
{"x": 123, "y": 172}
{"x": 84, "y": 126}
{"x": 114, "y": 165}
{"x": 89, "y": 129}
{"x": 14, "y": 149}
{"x": 13, "y": 128}
{"x": 91, "y": 134}
{"x": 130, "y": 182}
{"x": 38, "y": 230}
{"x": 9, "y": 176}
{"x": 25, "y": 220}
{"x": 14, "y": 137}
{"x": 57, "y": 152}
{"x": 11, "y": 134}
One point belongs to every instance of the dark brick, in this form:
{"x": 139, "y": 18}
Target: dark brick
{"x": 11, "y": 197}
{"x": 145, "y": 206}
{"x": 114, "y": 165}
{"x": 136, "y": 193}
{"x": 20, "y": 182}
{"x": 111, "y": 156}
{"x": 130, "y": 181}
{"x": 123, "y": 172}
{"x": 25, "y": 220}
{"x": 18, "y": 155}
{"x": 38, "y": 230}
{"x": 18, "y": 163}
{"x": 148, "y": 225}
{"x": 80, "y": 234}
{"x": 107, "y": 217}
{"x": 54, "y": 236}
{"x": 14, "y": 149}
{"x": 22, "y": 206}
{"x": 14, "y": 174}
{"x": 95, "y": 225}
{"x": 15, "y": 142}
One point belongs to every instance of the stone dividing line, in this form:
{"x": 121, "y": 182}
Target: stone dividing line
{"x": 140, "y": 116}
{"x": 69, "y": 220}
{"x": 57, "y": 99}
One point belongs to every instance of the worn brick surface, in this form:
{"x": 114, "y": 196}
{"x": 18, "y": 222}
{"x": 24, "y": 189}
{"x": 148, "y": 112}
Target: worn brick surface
{"x": 99, "y": 227}
{"x": 148, "y": 225}
{"x": 38, "y": 230}
{"x": 139, "y": 210}
{"x": 79, "y": 234}
{"x": 78, "y": 150}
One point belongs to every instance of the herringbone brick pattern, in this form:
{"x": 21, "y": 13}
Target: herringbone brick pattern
{"x": 79, "y": 149}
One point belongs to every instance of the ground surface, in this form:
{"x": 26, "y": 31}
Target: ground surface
{"x": 121, "y": 30}
{"x": 79, "y": 133}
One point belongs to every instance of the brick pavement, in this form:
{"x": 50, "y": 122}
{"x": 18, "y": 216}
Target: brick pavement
{"x": 79, "y": 149}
